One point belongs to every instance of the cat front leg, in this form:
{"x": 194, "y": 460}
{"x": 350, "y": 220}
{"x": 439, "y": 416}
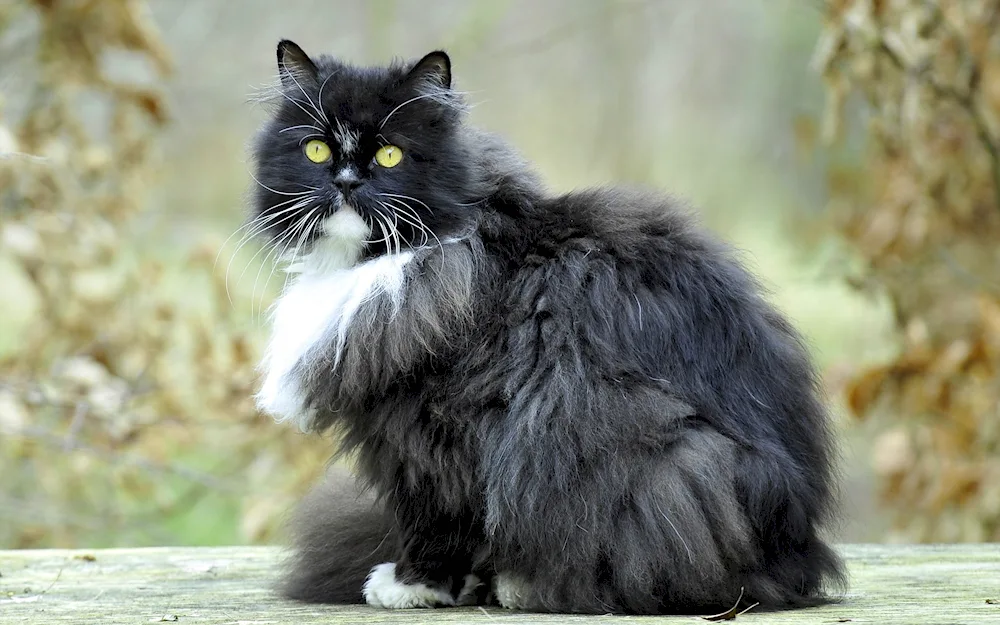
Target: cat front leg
{"x": 436, "y": 562}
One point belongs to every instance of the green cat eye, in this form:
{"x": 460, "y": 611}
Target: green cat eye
{"x": 388, "y": 156}
{"x": 317, "y": 151}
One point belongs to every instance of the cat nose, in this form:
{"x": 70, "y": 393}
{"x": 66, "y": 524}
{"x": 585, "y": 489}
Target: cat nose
{"x": 346, "y": 186}
{"x": 347, "y": 182}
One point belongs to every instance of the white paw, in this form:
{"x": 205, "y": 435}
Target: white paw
{"x": 511, "y": 592}
{"x": 381, "y": 590}
{"x": 468, "y": 594}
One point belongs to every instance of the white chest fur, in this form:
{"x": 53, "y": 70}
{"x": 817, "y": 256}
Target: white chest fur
{"x": 312, "y": 318}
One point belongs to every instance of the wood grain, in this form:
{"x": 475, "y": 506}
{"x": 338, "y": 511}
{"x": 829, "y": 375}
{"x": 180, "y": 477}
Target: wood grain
{"x": 925, "y": 584}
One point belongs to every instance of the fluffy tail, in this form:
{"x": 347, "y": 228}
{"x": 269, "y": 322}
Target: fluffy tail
{"x": 338, "y": 534}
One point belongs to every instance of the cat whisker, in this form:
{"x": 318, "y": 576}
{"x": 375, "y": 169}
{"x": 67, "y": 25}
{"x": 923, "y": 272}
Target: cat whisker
{"x": 386, "y": 229}
{"x": 414, "y": 220}
{"x": 253, "y": 294}
{"x": 371, "y": 227}
{"x": 383, "y": 225}
{"x": 301, "y": 229}
{"x": 407, "y": 197}
{"x": 395, "y": 229}
{"x": 263, "y": 94}
{"x": 394, "y": 232}
{"x": 405, "y": 208}
{"x": 421, "y": 229}
{"x": 320, "y": 96}
{"x": 292, "y": 256}
{"x": 271, "y": 248}
{"x": 260, "y": 223}
{"x": 298, "y": 104}
{"x": 287, "y": 239}
{"x": 257, "y": 226}
{"x": 301, "y": 126}
{"x": 299, "y": 193}
{"x": 280, "y": 92}
{"x": 291, "y": 215}
{"x": 307, "y": 233}
{"x": 444, "y": 96}
{"x": 310, "y": 136}
{"x": 312, "y": 104}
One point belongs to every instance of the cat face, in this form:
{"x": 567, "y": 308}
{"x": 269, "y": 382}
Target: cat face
{"x": 368, "y": 158}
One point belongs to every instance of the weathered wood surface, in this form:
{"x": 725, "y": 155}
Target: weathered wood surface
{"x": 889, "y": 584}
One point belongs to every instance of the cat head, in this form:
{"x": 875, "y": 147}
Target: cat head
{"x": 361, "y": 162}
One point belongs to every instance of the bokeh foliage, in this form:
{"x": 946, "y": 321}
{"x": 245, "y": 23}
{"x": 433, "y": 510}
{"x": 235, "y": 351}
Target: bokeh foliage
{"x": 923, "y": 210}
{"x": 127, "y": 365}
{"x": 120, "y": 382}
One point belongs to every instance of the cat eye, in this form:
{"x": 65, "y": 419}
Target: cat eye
{"x": 318, "y": 151}
{"x": 388, "y": 156}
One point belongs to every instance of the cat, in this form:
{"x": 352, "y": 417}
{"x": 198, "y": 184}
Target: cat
{"x": 576, "y": 403}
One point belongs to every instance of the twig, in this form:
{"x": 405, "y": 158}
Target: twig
{"x": 732, "y": 612}
{"x": 58, "y": 575}
{"x": 79, "y": 414}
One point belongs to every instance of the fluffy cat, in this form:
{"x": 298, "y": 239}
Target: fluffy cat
{"x": 564, "y": 403}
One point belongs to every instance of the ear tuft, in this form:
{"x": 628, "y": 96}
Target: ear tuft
{"x": 433, "y": 69}
{"x": 294, "y": 65}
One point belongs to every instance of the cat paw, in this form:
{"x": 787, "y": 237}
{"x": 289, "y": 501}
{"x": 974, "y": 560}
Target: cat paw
{"x": 511, "y": 592}
{"x": 470, "y": 591}
{"x": 381, "y": 590}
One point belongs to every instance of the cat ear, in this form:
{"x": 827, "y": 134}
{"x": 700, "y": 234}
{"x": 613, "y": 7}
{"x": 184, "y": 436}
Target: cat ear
{"x": 434, "y": 70}
{"x": 294, "y": 65}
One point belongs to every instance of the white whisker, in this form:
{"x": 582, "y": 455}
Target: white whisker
{"x": 418, "y": 227}
{"x": 282, "y": 93}
{"x": 383, "y": 225}
{"x": 299, "y": 193}
{"x": 291, "y": 75}
{"x": 300, "y": 126}
{"x": 277, "y": 242}
{"x": 442, "y": 98}
{"x": 271, "y": 248}
{"x": 407, "y": 197}
{"x": 259, "y": 225}
{"x": 280, "y": 256}
{"x": 385, "y": 237}
{"x": 319, "y": 97}
{"x": 310, "y": 136}
{"x": 405, "y": 209}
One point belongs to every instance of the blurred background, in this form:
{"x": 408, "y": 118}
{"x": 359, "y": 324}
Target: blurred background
{"x": 850, "y": 148}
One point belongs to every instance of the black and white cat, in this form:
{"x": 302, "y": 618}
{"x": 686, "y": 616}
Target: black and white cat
{"x": 569, "y": 403}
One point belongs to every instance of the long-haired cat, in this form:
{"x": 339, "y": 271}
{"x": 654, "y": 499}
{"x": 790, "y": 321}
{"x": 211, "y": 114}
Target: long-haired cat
{"x": 565, "y": 403}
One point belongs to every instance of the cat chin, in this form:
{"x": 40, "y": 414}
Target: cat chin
{"x": 343, "y": 239}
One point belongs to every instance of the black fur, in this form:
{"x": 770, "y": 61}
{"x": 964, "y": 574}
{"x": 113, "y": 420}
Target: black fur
{"x": 585, "y": 391}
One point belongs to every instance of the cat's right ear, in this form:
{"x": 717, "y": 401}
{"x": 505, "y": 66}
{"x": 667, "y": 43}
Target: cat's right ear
{"x": 294, "y": 65}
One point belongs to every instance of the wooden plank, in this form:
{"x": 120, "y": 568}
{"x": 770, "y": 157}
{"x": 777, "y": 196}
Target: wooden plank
{"x": 889, "y": 584}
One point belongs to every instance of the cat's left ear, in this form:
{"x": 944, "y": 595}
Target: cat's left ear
{"x": 434, "y": 70}
{"x": 294, "y": 65}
